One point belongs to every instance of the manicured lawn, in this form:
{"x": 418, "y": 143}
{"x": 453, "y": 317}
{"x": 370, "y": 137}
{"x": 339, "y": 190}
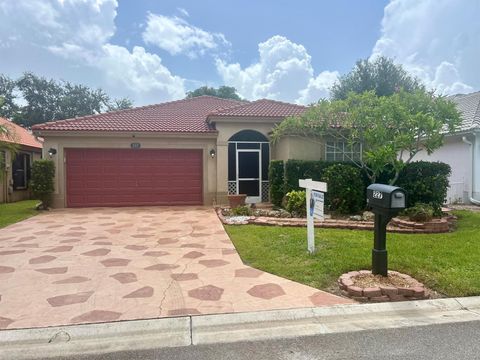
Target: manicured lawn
{"x": 18, "y": 211}
{"x": 448, "y": 263}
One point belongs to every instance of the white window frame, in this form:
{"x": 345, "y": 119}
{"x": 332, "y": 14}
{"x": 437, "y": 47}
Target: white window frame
{"x": 339, "y": 153}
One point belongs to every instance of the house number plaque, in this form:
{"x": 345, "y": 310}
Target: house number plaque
{"x": 135, "y": 145}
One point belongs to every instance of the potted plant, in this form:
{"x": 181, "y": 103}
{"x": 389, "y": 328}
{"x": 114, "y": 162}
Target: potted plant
{"x": 236, "y": 200}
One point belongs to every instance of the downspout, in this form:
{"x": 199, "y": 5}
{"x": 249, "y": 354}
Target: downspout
{"x": 472, "y": 158}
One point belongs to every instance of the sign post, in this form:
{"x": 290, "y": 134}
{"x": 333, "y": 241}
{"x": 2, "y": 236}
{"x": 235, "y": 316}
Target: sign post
{"x": 315, "y": 195}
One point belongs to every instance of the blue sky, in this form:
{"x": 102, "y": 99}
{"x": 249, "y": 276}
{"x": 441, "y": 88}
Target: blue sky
{"x": 335, "y": 33}
{"x": 154, "y": 51}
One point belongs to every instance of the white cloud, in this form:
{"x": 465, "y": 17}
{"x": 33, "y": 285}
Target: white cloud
{"x": 283, "y": 72}
{"x": 437, "y": 40}
{"x": 140, "y": 71}
{"x": 70, "y": 39}
{"x": 177, "y": 36}
{"x": 183, "y": 11}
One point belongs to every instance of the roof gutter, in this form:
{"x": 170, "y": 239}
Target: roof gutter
{"x": 472, "y": 158}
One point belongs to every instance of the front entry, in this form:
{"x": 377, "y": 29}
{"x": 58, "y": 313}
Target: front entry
{"x": 248, "y": 161}
{"x": 249, "y": 174}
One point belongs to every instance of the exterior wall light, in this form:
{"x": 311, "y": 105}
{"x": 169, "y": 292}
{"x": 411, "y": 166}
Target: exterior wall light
{"x": 212, "y": 153}
{"x": 52, "y": 152}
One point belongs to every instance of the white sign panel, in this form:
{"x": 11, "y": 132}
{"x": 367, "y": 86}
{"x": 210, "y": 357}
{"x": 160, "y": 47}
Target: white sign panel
{"x": 317, "y": 201}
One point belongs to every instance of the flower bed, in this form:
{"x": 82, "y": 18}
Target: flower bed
{"x": 283, "y": 218}
{"x": 363, "y": 286}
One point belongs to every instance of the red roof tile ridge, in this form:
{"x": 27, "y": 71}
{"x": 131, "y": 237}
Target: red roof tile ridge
{"x": 250, "y": 103}
{"x": 144, "y": 107}
{"x": 239, "y": 106}
{"x": 284, "y": 103}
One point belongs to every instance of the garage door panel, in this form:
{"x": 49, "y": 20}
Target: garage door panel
{"x": 126, "y": 177}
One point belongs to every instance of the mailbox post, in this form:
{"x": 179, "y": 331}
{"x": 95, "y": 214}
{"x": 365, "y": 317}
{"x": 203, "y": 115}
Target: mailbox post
{"x": 385, "y": 201}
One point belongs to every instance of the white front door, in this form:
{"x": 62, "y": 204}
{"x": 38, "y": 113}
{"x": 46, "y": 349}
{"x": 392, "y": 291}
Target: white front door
{"x": 249, "y": 174}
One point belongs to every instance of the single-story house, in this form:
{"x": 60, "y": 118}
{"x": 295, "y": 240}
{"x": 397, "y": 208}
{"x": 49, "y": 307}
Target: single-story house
{"x": 16, "y": 167}
{"x": 461, "y": 150}
{"x": 191, "y": 151}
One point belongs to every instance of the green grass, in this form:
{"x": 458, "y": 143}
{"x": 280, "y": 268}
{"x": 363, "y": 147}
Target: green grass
{"x": 17, "y": 211}
{"x": 448, "y": 263}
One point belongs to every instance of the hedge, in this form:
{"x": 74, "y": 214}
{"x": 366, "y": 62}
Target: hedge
{"x": 424, "y": 182}
{"x": 277, "y": 181}
{"x": 41, "y": 183}
{"x": 303, "y": 169}
{"x": 346, "y": 189}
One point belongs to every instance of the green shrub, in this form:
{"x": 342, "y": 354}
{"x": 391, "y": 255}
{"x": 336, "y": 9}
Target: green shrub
{"x": 242, "y": 210}
{"x": 303, "y": 169}
{"x": 276, "y": 178}
{"x": 41, "y": 183}
{"x": 295, "y": 203}
{"x": 420, "y": 212}
{"x": 346, "y": 189}
{"x": 425, "y": 182}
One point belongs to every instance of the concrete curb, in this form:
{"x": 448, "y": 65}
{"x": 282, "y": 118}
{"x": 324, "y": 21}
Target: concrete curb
{"x": 222, "y": 328}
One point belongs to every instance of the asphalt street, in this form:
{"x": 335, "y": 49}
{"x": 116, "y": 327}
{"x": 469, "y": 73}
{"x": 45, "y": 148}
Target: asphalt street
{"x": 449, "y": 341}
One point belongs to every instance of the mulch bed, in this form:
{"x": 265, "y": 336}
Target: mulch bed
{"x": 363, "y": 286}
{"x": 397, "y": 225}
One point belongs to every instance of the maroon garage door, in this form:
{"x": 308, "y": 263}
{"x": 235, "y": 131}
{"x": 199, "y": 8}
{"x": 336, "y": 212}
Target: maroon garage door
{"x": 126, "y": 177}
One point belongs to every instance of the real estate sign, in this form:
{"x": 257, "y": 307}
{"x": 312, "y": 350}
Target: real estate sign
{"x": 315, "y": 202}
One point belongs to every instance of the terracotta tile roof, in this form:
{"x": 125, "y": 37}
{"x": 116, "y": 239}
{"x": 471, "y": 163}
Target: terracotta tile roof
{"x": 261, "y": 108}
{"x": 187, "y": 115}
{"x": 20, "y": 135}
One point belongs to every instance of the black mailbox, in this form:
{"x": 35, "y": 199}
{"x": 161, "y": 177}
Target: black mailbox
{"x": 381, "y": 196}
{"x": 385, "y": 201}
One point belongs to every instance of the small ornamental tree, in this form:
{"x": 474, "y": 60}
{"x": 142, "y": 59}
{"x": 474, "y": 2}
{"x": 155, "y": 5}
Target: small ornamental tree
{"x": 390, "y": 129}
{"x": 41, "y": 183}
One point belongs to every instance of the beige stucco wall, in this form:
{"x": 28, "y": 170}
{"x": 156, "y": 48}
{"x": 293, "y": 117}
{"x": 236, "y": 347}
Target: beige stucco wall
{"x": 215, "y": 176}
{"x": 298, "y": 148}
{"x": 123, "y": 141}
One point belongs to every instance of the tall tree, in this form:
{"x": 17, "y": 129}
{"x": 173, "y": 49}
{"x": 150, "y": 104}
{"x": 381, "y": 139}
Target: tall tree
{"x": 80, "y": 100}
{"x": 391, "y": 130}
{"x": 120, "y": 104}
{"x": 224, "y": 92}
{"x": 42, "y": 99}
{"x": 382, "y": 76}
{"x": 47, "y": 100}
{"x": 7, "y": 87}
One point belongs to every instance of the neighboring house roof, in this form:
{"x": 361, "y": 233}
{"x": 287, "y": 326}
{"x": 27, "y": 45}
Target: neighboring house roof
{"x": 469, "y": 107}
{"x": 20, "y": 136}
{"x": 261, "y": 108}
{"x": 187, "y": 115}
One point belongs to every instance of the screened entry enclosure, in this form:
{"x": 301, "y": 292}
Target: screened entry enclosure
{"x": 248, "y": 161}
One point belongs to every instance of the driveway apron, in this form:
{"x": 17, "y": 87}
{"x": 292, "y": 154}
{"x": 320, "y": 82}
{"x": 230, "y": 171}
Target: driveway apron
{"x": 92, "y": 265}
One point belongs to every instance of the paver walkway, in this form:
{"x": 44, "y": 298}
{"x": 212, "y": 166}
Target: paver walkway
{"x": 104, "y": 264}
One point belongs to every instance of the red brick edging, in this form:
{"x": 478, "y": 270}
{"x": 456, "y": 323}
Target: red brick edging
{"x": 380, "y": 293}
{"x": 396, "y": 225}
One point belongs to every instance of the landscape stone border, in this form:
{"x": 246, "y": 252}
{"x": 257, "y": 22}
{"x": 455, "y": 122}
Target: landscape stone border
{"x": 380, "y": 293}
{"x": 396, "y": 225}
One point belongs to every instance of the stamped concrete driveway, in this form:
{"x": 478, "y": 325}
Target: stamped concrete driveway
{"x": 105, "y": 264}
